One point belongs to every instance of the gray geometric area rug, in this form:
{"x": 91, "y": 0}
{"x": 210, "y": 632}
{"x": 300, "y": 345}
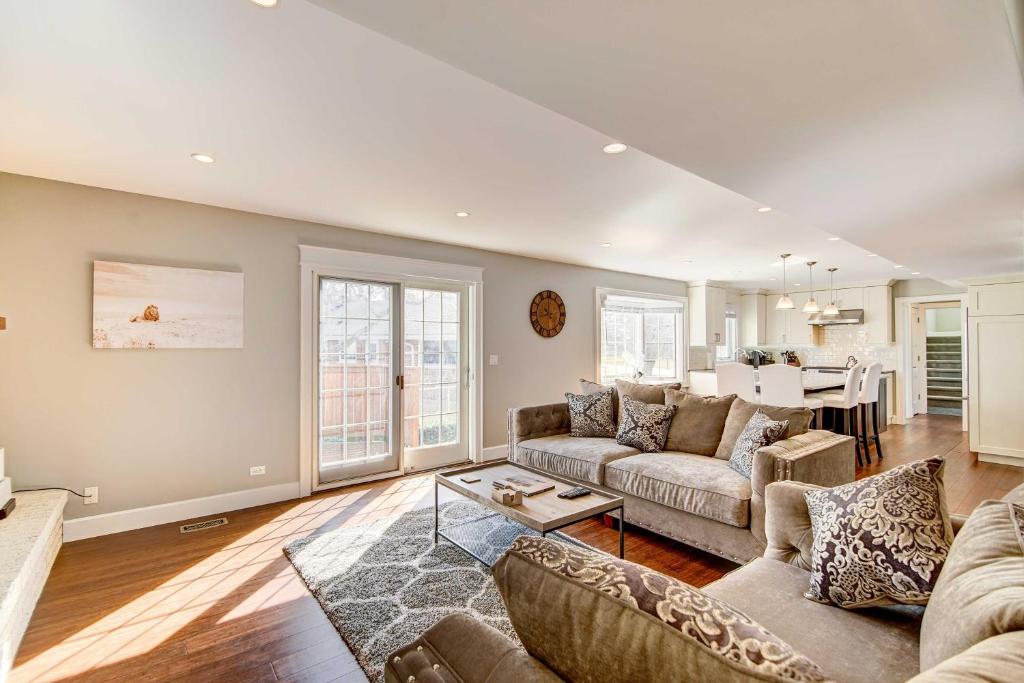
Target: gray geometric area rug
{"x": 385, "y": 582}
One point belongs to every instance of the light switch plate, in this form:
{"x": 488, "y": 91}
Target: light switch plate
{"x": 494, "y": 359}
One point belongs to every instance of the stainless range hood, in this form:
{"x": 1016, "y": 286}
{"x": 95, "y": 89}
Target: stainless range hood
{"x": 850, "y": 316}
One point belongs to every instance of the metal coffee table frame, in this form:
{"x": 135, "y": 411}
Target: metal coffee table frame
{"x": 611, "y": 504}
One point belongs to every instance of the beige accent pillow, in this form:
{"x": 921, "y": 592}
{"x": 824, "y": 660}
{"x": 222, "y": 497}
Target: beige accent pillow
{"x": 799, "y": 420}
{"x": 980, "y": 592}
{"x": 646, "y": 393}
{"x": 587, "y": 388}
{"x": 568, "y": 603}
{"x": 698, "y": 423}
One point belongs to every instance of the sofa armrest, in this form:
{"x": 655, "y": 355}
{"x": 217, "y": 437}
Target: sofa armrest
{"x": 535, "y": 422}
{"x": 816, "y": 457}
{"x": 787, "y": 523}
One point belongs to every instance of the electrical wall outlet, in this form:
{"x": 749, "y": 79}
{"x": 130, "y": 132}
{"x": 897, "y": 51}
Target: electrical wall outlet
{"x": 92, "y": 495}
{"x": 257, "y": 470}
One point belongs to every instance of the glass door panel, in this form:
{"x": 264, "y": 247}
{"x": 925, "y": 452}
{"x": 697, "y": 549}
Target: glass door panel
{"x": 435, "y": 397}
{"x": 357, "y": 391}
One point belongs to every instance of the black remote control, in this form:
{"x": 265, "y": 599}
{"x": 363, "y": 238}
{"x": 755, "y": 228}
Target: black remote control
{"x": 569, "y": 494}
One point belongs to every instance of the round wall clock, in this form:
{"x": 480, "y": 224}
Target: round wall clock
{"x": 547, "y": 313}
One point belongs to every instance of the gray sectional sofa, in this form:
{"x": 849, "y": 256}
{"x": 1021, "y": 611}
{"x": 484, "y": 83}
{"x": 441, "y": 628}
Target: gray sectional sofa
{"x": 693, "y": 498}
{"x": 585, "y": 616}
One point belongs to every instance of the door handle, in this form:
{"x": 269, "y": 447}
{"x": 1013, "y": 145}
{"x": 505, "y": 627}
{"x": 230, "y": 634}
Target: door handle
{"x": 400, "y": 382}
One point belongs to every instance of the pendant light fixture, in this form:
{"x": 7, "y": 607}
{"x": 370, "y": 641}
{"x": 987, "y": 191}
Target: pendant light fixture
{"x": 784, "y": 302}
{"x": 831, "y": 310}
{"x": 812, "y": 304}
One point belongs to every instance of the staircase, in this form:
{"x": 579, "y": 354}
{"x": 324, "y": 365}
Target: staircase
{"x": 945, "y": 375}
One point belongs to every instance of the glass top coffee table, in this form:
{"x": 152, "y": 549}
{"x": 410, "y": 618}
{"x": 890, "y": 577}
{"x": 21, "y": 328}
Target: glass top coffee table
{"x": 542, "y": 513}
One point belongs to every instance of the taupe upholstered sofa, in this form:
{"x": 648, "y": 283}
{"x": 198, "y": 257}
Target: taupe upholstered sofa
{"x": 696, "y": 499}
{"x": 585, "y": 616}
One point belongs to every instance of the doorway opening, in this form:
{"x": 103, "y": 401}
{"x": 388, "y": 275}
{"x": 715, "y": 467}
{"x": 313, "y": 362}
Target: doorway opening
{"x": 934, "y": 368}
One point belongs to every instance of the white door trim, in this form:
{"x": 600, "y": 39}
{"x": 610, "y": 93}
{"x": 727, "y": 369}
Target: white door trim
{"x": 904, "y": 361}
{"x": 317, "y": 261}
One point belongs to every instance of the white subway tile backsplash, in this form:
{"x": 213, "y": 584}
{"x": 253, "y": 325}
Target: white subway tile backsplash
{"x": 841, "y": 342}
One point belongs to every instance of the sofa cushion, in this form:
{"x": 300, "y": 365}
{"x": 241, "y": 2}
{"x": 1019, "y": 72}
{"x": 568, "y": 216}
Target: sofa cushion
{"x": 881, "y": 540}
{"x": 591, "y": 617}
{"x": 761, "y": 431}
{"x": 999, "y": 659}
{"x": 591, "y": 414}
{"x": 698, "y": 423}
{"x": 645, "y": 393}
{"x": 874, "y": 645}
{"x": 740, "y": 413}
{"x": 588, "y": 387}
{"x": 642, "y": 425}
{"x": 980, "y": 592}
{"x": 581, "y": 458}
{"x": 684, "y": 481}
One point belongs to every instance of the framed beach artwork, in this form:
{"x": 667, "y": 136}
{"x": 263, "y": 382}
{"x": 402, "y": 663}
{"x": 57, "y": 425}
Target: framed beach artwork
{"x": 155, "y": 307}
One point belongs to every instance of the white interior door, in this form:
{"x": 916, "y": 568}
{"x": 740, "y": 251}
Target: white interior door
{"x": 435, "y": 394}
{"x": 919, "y": 358}
{"x": 357, "y": 392}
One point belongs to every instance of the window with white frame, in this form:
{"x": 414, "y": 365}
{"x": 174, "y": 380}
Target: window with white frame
{"x": 642, "y": 337}
{"x": 727, "y": 351}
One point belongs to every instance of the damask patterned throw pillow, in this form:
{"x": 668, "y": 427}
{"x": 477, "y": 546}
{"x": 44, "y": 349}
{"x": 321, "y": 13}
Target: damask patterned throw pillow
{"x": 643, "y": 426}
{"x": 882, "y": 540}
{"x": 591, "y": 414}
{"x": 760, "y": 431}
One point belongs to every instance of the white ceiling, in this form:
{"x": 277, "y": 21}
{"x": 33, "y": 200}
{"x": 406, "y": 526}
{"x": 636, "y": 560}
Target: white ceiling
{"x": 313, "y": 116}
{"x": 896, "y": 125}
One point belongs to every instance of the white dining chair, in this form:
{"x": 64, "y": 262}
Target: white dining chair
{"x": 847, "y": 401}
{"x": 783, "y": 386}
{"x": 735, "y": 378}
{"x": 868, "y": 400}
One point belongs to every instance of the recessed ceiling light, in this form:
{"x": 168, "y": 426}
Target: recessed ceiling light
{"x": 606, "y": 244}
{"x": 202, "y": 158}
{"x": 462, "y": 214}
{"x": 897, "y": 266}
{"x": 615, "y": 148}
{"x": 796, "y": 284}
{"x": 764, "y": 209}
{"x": 833, "y": 239}
{"x": 687, "y": 260}
{"x": 915, "y": 273}
{"x": 773, "y": 279}
{"x": 872, "y": 255}
{"x": 264, "y": 3}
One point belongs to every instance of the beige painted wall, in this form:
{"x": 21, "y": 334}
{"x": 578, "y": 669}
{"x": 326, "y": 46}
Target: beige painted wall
{"x": 150, "y": 427}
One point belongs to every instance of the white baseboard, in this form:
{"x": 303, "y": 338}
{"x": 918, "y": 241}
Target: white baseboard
{"x": 494, "y": 453}
{"x": 138, "y": 518}
{"x": 999, "y": 459}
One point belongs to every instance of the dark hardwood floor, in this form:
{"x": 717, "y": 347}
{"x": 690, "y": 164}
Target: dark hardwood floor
{"x": 225, "y": 605}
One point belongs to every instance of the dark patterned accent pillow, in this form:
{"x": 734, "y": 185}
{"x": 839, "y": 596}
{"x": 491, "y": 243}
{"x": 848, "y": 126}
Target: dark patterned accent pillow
{"x": 760, "y": 431}
{"x": 705, "y": 622}
{"x": 591, "y": 414}
{"x": 882, "y": 540}
{"x": 643, "y": 426}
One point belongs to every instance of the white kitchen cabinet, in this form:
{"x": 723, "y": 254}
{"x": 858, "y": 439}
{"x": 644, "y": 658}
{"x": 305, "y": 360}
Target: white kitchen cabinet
{"x": 776, "y": 323}
{"x": 996, "y": 374}
{"x": 848, "y": 298}
{"x": 753, "y": 319}
{"x": 995, "y": 371}
{"x": 799, "y": 331}
{"x": 996, "y": 299}
{"x": 707, "y": 315}
{"x": 878, "y": 314}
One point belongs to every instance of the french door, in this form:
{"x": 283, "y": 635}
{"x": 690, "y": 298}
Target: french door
{"x": 392, "y": 391}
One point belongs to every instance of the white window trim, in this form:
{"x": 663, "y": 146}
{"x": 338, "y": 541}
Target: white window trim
{"x": 683, "y": 359}
{"x": 315, "y": 262}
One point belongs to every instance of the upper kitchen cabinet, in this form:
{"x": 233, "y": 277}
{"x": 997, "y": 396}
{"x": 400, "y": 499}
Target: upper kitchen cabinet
{"x": 849, "y": 298}
{"x": 787, "y": 327}
{"x": 707, "y": 314}
{"x": 753, "y": 319}
{"x": 1001, "y": 298}
{"x": 877, "y": 314}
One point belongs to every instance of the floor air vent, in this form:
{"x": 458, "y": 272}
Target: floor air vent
{"x": 206, "y": 524}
